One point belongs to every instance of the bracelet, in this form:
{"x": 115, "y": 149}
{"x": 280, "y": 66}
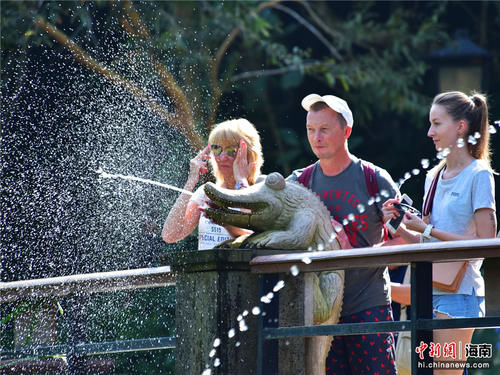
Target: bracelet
{"x": 426, "y": 235}
{"x": 240, "y": 185}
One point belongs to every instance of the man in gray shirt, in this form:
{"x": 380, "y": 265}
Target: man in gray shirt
{"x": 338, "y": 178}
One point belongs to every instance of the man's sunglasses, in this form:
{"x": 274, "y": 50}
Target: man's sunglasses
{"x": 230, "y": 151}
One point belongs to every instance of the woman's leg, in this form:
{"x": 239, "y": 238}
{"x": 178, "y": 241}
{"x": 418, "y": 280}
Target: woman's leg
{"x": 456, "y": 337}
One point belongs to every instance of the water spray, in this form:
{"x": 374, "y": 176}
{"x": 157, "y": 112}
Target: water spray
{"x": 103, "y": 174}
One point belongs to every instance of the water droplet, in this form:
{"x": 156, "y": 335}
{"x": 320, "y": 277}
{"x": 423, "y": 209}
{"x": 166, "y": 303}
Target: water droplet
{"x": 337, "y": 228}
{"x": 446, "y": 151}
{"x": 294, "y": 270}
{"x": 407, "y": 175}
{"x": 460, "y": 142}
{"x": 440, "y": 155}
{"x": 310, "y": 248}
{"x": 378, "y": 199}
{"x": 477, "y": 135}
{"x": 279, "y": 285}
{"x": 306, "y": 260}
{"x": 333, "y": 236}
{"x": 245, "y": 313}
{"x": 216, "y": 342}
{"x": 384, "y": 193}
{"x": 243, "y": 326}
{"x": 321, "y": 247}
{"x": 415, "y": 171}
{"x": 351, "y": 217}
{"x": 424, "y": 163}
{"x": 207, "y": 372}
{"x": 216, "y": 362}
{"x": 239, "y": 317}
{"x": 371, "y": 200}
{"x": 265, "y": 299}
{"x": 497, "y": 122}
{"x": 492, "y": 129}
{"x": 256, "y": 310}
{"x": 231, "y": 333}
{"x": 361, "y": 208}
{"x": 212, "y": 353}
{"x": 345, "y": 222}
{"x": 472, "y": 140}
{"x": 237, "y": 343}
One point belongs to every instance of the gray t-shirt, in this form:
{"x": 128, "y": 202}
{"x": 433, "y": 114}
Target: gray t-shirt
{"x": 343, "y": 194}
{"x": 455, "y": 202}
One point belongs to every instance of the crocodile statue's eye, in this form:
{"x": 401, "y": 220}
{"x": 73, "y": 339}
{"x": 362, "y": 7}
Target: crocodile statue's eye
{"x": 275, "y": 181}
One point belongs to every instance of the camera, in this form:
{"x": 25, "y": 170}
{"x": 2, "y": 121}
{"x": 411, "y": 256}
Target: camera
{"x": 406, "y": 202}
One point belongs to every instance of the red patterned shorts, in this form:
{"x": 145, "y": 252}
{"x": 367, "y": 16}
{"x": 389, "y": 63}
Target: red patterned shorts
{"x": 363, "y": 354}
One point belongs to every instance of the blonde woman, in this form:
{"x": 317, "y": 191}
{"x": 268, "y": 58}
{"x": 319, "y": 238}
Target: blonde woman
{"x": 235, "y": 154}
{"x": 463, "y": 205}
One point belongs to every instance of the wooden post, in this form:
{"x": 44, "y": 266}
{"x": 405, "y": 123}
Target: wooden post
{"x": 491, "y": 269}
{"x": 421, "y": 308}
{"x": 214, "y": 289}
{"x": 37, "y": 325}
{"x": 296, "y": 309}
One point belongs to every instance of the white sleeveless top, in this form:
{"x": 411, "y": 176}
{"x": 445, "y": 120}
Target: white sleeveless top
{"x": 209, "y": 234}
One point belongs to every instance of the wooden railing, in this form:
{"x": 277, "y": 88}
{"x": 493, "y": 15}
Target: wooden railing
{"x": 89, "y": 283}
{"x": 78, "y": 287}
{"x": 419, "y": 256}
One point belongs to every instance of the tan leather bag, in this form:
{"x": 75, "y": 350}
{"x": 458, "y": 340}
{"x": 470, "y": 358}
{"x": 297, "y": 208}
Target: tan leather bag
{"x": 448, "y": 276}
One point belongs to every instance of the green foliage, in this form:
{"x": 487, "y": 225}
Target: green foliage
{"x": 370, "y": 53}
{"x": 373, "y": 50}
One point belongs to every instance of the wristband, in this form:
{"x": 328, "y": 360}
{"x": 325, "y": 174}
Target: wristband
{"x": 426, "y": 235}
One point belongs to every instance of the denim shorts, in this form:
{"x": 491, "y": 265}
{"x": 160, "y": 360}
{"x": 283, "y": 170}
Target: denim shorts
{"x": 459, "y": 305}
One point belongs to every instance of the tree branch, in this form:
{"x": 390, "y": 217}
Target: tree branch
{"x": 184, "y": 113}
{"x": 83, "y": 58}
{"x": 311, "y": 28}
{"x": 318, "y": 20}
{"x": 214, "y": 67}
{"x": 278, "y": 71}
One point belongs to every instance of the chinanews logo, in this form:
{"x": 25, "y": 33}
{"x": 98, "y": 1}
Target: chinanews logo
{"x": 455, "y": 355}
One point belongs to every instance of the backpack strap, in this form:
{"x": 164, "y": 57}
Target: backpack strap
{"x": 370, "y": 178}
{"x": 372, "y": 186}
{"x": 306, "y": 174}
{"x": 429, "y": 199}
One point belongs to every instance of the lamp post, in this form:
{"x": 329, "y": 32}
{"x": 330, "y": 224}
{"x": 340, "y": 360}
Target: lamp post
{"x": 460, "y": 64}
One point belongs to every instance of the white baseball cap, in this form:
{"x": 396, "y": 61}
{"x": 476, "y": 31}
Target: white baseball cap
{"x": 334, "y": 102}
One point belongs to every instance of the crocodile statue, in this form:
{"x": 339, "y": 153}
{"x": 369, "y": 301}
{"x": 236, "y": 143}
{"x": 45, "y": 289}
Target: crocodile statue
{"x": 286, "y": 215}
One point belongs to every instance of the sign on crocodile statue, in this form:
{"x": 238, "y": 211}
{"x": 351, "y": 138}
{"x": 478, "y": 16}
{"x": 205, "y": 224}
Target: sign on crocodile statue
{"x": 286, "y": 215}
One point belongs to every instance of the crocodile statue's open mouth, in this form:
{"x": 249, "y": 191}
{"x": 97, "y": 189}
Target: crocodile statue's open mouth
{"x": 223, "y": 209}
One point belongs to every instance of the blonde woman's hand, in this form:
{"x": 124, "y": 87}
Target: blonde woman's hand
{"x": 198, "y": 164}
{"x": 241, "y": 167}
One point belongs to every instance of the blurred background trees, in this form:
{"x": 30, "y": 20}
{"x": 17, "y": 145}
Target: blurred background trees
{"x": 134, "y": 87}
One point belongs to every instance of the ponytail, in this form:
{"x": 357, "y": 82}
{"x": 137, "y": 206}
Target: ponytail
{"x": 474, "y": 110}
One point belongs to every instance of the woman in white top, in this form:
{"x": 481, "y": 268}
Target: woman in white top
{"x": 235, "y": 154}
{"x": 463, "y": 206}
